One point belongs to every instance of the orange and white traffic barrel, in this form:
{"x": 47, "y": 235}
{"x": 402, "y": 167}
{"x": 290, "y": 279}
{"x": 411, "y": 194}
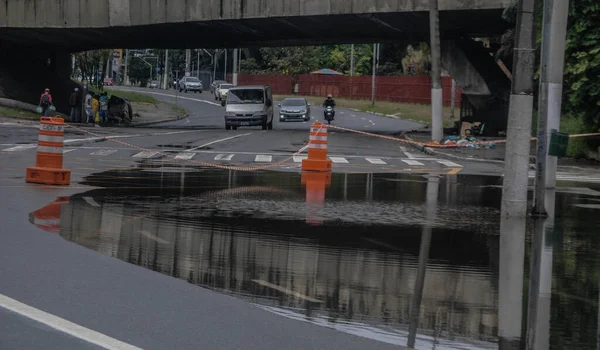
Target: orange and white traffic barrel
{"x": 317, "y": 150}
{"x": 49, "y": 160}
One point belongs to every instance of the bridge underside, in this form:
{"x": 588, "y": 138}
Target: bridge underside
{"x": 260, "y": 32}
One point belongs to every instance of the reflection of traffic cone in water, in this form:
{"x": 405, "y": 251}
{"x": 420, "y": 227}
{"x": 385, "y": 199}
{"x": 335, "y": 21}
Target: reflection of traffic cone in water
{"x": 316, "y": 183}
{"x": 48, "y": 167}
{"x": 317, "y": 149}
{"x": 48, "y": 217}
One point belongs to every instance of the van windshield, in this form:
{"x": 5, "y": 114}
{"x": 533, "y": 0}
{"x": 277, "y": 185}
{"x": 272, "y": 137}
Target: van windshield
{"x": 246, "y": 96}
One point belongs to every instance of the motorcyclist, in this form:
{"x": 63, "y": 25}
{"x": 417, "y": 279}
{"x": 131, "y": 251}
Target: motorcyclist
{"x": 329, "y": 102}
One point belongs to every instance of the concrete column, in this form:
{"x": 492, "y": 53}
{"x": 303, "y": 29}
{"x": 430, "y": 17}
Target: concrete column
{"x": 188, "y": 61}
{"x": 453, "y": 99}
{"x": 166, "y": 73}
{"x": 516, "y": 167}
{"x": 510, "y": 299}
{"x": 374, "y": 77}
{"x": 540, "y": 281}
{"x": 352, "y": 60}
{"x": 235, "y": 67}
{"x": 551, "y": 80}
{"x": 225, "y": 66}
{"x": 437, "y": 123}
{"x": 433, "y": 186}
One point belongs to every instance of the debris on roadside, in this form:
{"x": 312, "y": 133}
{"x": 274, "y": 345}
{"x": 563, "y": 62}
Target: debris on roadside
{"x": 466, "y": 142}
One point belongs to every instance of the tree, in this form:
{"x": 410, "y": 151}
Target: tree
{"x": 582, "y": 66}
{"x": 138, "y": 71}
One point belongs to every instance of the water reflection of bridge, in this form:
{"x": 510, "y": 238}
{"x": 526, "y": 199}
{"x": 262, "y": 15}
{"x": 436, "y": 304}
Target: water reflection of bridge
{"x": 363, "y": 280}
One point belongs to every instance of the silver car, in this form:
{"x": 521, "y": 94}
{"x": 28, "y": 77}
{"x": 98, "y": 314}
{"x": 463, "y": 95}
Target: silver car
{"x": 294, "y": 109}
{"x": 190, "y": 84}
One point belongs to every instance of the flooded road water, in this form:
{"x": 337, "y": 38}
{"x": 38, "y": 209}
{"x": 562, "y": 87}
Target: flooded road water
{"x": 358, "y": 252}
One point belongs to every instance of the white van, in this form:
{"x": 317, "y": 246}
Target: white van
{"x": 249, "y": 106}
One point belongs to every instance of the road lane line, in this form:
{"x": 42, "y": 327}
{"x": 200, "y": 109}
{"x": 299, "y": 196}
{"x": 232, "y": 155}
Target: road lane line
{"x": 298, "y": 159}
{"x": 217, "y": 141}
{"x": 19, "y": 148}
{"x": 145, "y": 154}
{"x": 173, "y": 96}
{"x": 91, "y": 201}
{"x": 449, "y": 164}
{"x": 185, "y": 155}
{"x": 69, "y": 150}
{"x": 287, "y": 291}
{"x": 103, "y": 152}
{"x": 224, "y": 157}
{"x": 376, "y": 161}
{"x": 62, "y": 325}
{"x": 339, "y": 160}
{"x": 412, "y": 162}
{"x": 263, "y": 158}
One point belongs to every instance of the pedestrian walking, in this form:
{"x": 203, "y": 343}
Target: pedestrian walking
{"x": 88, "y": 107}
{"x": 75, "y": 103}
{"x": 45, "y": 102}
{"x": 96, "y": 108}
{"x": 104, "y": 107}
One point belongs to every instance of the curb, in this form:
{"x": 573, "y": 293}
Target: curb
{"x": 134, "y": 125}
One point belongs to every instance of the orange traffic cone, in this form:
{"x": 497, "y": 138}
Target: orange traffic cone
{"x": 49, "y": 161}
{"x": 48, "y": 217}
{"x": 317, "y": 150}
{"x": 316, "y": 183}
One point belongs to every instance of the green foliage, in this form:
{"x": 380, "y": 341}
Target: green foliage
{"x": 138, "y": 71}
{"x": 582, "y": 66}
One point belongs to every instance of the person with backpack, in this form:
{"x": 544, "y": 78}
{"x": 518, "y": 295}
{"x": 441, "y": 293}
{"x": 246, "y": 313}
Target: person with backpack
{"x": 45, "y": 102}
{"x": 104, "y": 107}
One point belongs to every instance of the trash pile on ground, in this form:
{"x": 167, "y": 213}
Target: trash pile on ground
{"x": 467, "y": 142}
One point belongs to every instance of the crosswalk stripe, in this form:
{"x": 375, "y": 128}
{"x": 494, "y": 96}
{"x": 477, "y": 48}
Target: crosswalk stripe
{"x": 376, "y": 161}
{"x": 185, "y": 155}
{"x": 412, "y": 162}
{"x": 298, "y": 159}
{"x": 103, "y": 152}
{"x": 449, "y": 164}
{"x": 263, "y": 158}
{"x": 19, "y": 148}
{"x": 145, "y": 154}
{"x": 224, "y": 156}
{"x": 339, "y": 160}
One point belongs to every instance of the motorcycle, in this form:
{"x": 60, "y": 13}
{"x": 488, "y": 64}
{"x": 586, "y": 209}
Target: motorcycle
{"x": 329, "y": 114}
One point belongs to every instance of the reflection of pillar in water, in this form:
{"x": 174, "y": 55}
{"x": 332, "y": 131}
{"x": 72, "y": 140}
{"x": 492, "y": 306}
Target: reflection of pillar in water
{"x": 369, "y": 188}
{"x": 540, "y": 280}
{"x": 433, "y": 185}
{"x": 110, "y": 232}
{"x": 345, "y": 186}
{"x": 510, "y": 298}
{"x": 316, "y": 183}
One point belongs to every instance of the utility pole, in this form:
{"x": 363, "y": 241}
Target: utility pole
{"x": 235, "y": 67}
{"x": 126, "y": 73}
{"x": 215, "y": 58}
{"x": 225, "y": 69}
{"x": 437, "y": 124}
{"x": 516, "y": 166}
{"x": 453, "y": 99}
{"x": 166, "y": 72}
{"x": 556, "y": 13}
{"x": 352, "y": 60}
{"x": 198, "y": 65}
{"x": 188, "y": 61}
{"x": 375, "y": 64}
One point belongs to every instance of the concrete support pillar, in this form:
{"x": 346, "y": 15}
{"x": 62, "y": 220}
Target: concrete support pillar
{"x": 166, "y": 72}
{"x": 516, "y": 168}
{"x": 188, "y": 61}
{"x": 235, "y": 67}
{"x": 551, "y": 81}
{"x": 437, "y": 111}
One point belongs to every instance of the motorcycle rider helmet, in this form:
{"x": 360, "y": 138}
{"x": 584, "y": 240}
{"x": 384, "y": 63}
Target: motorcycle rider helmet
{"x": 329, "y": 96}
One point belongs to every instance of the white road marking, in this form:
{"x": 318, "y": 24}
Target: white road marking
{"x": 353, "y": 116}
{"x": 286, "y": 291}
{"x": 64, "y": 326}
{"x": 376, "y": 161}
{"x": 19, "y": 148}
{"x": 298, "y": 159}
{"x": 153, "y": 237}
{"x": 91, "y": 201}
{"x": 263, "y": 158}
{"x": 339, "y": 160}
{"x": 69, "y": 150}
{"x": 103, "y": 152}
{"x": 449, "y": 164}
{"x": 185, "y": 155}
{"x": 224, "y": 157}
{"x": 145, "y": 154}
{"x": 217, "y": 141}
{"x": 412, "y": 162}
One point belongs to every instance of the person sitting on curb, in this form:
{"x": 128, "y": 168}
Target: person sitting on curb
{"x": 46, "y": 102}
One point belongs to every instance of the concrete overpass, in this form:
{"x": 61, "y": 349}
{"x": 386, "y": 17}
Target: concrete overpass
{"x": 37, "y": 36}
